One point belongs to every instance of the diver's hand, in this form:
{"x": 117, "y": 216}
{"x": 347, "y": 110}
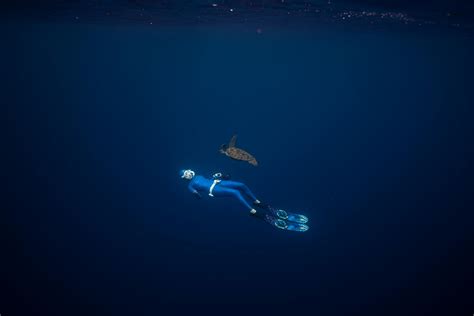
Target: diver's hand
{"x": 221, "y": 176}
{"x": 197, "y": 195}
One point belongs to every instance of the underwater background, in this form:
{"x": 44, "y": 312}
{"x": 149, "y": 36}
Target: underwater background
{"x": 359, "y": 113}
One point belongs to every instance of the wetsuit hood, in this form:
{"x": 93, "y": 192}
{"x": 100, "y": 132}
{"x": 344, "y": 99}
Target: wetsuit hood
{"x": 187, "y": 174}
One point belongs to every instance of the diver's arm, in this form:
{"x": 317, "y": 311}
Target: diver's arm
{"x": 193, "y": 190}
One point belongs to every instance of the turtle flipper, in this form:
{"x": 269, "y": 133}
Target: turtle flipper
{"x": 253, "y": 161}
{"x": 232, "y": 141}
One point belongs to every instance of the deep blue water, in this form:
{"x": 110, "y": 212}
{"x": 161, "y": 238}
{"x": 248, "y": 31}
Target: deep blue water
{"x": 365, "y": 129}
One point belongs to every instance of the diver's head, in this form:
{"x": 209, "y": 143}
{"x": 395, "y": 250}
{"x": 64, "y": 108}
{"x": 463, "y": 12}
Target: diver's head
{"x": 187, "y": 174}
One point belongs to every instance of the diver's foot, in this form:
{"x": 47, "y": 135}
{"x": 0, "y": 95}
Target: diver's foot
{"x": 261, "y": 205}
{"x": 280, "y": 214}
{"x": 279, "y": 223}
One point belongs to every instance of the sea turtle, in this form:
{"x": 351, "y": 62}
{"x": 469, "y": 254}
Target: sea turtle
{"x": 236, "y": 153}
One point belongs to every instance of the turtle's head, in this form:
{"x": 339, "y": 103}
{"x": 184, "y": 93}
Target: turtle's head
{"x": 187, "y": 174}
{"x": 223, "y": 148}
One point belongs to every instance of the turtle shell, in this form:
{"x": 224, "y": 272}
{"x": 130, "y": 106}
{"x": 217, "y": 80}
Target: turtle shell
{"x": 240, "y": 154}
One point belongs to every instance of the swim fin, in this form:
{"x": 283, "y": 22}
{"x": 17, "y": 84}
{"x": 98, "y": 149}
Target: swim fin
{"x": 281, "y": 224}
{"x": 292, "y": 217}
{"x": 282, "y": 219}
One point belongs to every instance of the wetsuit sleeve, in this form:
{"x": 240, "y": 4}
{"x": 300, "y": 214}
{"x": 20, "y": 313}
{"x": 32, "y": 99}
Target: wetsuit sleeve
{"x": 193, "y": 190}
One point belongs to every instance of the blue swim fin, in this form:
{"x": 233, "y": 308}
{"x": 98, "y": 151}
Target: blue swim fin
{"x": 292, "y": 217}
{"x": 282, "y": 214}
{"x": 281, "y": 224}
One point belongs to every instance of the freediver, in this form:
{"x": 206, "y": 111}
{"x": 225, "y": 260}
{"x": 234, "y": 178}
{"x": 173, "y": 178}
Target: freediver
{"x": 221, "y": 186}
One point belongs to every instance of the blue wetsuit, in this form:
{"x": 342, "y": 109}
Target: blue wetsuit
{"x": 221, "y": 186}
{"x": 200, "y": 184}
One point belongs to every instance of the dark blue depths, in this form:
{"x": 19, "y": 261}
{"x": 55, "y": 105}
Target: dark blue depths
{"x": 365, "y": 132}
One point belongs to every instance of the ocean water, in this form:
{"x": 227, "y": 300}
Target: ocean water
{"x": 359, "y": 113}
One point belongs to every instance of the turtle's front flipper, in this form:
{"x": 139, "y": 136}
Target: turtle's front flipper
{"x": 232, "y": 141}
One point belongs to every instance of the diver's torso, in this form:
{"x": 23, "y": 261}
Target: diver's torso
{"x": 201, "y": 184}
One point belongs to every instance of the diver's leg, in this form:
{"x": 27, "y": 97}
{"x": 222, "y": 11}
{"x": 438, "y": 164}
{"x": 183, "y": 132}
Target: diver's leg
{"x": 267, "y": 217}
{"x": 245, "y": 189}
{"x": 226, "y": 191}
{"x": 239, "y": 186}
